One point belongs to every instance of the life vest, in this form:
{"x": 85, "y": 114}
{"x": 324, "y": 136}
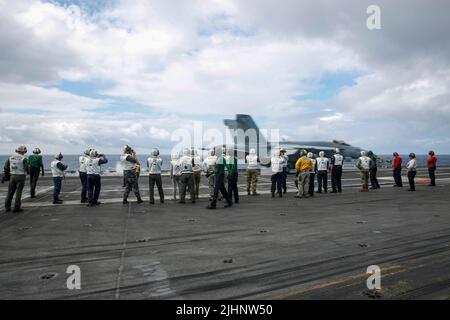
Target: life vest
{"x": 93, "y": 166}
{"x": 252, "y": 161}
{"x": 56, "y": 172}
{"x": 16, "y": 164}
{"x": 127, "y": 165}
{"x": 322, "y": 164}
{"x": 83, "y": 160}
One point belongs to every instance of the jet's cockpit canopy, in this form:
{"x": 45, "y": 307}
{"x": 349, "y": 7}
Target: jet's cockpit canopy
{"x": 341, "y": 142}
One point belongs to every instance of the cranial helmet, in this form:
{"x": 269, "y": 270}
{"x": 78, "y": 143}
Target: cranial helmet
{"x": 37, "y": 151}
{"x": 370, "y": 153}
{"x": 230, "y": 152}
{"x": 431, "y": 153}
{"x": 59, "y": 156}
{"x": 395, "y": 154}
{"x": 93, "y": 153}
{"x": 175, "y": 156}
{"x": 321, "y": 153}
{"x": 212, "y": 152}
{"x": 87, "y": 151}
{"x": 252, "y": 152}
{"x": 186, "y": 152}
{"x": 155, "y": 152}
{"x": 303, "y": 152}
{"x": 21, "y": 149}
{"x": 127, "y": 149}
{"x": 337, "y": 150}
{"x": 412, "y": 155}
{"x": 363, "y": 153}
{"x": 310, "y": 155}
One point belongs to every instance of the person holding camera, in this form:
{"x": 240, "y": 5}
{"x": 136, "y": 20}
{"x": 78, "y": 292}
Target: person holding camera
{"x": 93, "y": 171}
{"x": 129, "y": 161}
{"x": 154, "y": 164}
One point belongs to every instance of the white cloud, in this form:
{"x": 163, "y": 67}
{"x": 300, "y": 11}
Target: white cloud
{"x": 34, "y": 98}
{"x": 189, "y": 58}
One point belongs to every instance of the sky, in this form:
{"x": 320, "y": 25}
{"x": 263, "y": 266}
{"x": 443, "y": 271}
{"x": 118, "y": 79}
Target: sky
{"x": 103, "y": 74}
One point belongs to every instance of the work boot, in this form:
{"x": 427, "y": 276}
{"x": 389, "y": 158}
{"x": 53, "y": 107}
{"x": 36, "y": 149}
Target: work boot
{"x": 139, "y": 200}
{"x": 182, "y": 201}
{"x": 125, "y": 201}
{"x": 57, "y": 201}
{"x": 152, "y": 202}
{"x": 255, "y": 194}
{"x": 248, "y": 192}
{"x": 273, "y": 194}
{"x": 17, "y": 210}
{"x": 8, "y": 210}
{"x": 211, "y": 207}
{"x": 83, "y": 201}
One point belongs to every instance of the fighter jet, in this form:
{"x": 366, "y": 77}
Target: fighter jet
{"x": 293, "y": 148}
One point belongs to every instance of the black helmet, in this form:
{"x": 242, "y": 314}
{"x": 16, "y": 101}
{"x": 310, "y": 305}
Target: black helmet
{"x": 412, "y": 155}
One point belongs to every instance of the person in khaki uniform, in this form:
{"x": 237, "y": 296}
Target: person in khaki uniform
{"x": 16, "y": 168}
{"x": 197, "y": 172}
{"x": 303, "y": 166}
{"x": 210, "y": 164}
{"x": 252, "y": 173}
{"x": 363, "y": 164}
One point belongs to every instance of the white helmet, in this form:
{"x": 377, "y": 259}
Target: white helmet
{"x": 87, "y": 152}
{"x": 252, "y": 152}
{"x": 212, "y": 152}
{"x": 363, "y": 153}
{"x": 155, "y": 152}
{"x": 309, "y": 155}
{"x": 93, "y": 153}
{"x": 59, "y": 156}
{"x": 186, "y": 152}
{"x": 175, "y": 156}
{"x": 337, "y": 150}
{"x": 37, "y": 151}
{"x": 321, "y": 154}
{"x": 230, "y": 152}
{"x": 127, "y": 149}
{"x": 21, "y": 149}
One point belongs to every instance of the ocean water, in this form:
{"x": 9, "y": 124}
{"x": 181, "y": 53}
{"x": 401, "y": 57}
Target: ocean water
{"x": 113, "y": 164}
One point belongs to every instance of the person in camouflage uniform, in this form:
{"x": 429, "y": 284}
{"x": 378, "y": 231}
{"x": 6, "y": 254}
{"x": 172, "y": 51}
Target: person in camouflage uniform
{"x": 252, "y": 173}
{"x": 129, "y": 161}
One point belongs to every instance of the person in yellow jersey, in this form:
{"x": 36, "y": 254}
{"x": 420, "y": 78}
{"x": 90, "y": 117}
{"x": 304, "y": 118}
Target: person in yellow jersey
{"x": 138, "y": 171}
{"x": 303, "y": 166}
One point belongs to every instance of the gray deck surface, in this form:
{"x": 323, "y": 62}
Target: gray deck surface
{"x": 316, "y": 248}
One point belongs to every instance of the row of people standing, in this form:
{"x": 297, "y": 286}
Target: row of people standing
{"x": 221, "y": 172}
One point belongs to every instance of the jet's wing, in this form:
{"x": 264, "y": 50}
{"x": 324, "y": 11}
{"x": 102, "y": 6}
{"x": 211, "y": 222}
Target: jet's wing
{"x": 307, "y": 147}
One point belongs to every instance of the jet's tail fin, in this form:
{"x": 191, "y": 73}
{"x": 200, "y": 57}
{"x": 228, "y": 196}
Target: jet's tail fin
{"x": 245, "y": 123}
